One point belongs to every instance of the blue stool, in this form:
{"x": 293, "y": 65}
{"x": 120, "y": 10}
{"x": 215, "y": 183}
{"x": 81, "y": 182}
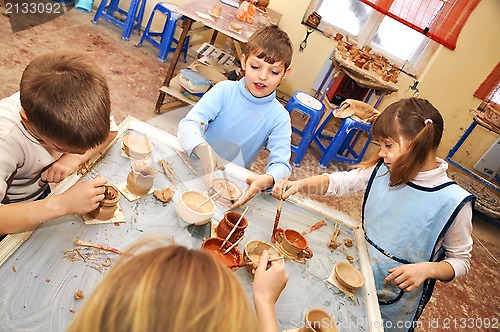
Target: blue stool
{"x": 342, "y": 146}
{"x": 308, "y": 106}
{"x": 167, "y": 35}
{"x": 133, "y": 17}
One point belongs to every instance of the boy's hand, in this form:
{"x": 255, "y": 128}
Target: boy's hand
{"x": 282, "y": 192}
{"x": 209, "y": 161}
{"x": 67, "y": 164}
{"x": 84, "y": 196}
{"x": 268, "y": 283}
{"x": 256, "y": 183}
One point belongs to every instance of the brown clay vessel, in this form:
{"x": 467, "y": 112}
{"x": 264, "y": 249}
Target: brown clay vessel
{"x": 227, "y": 224}
{"x": 141, "y": 177}
{"x": 318, "y": 320}
{"x": 293, "y": 243}
{"x": 136, "y": 146}
{"x": 348, "y": 276}
{"x": 253, "y": 251}
{"x": 106, "y": 209}
{"x": 233, "y": 259}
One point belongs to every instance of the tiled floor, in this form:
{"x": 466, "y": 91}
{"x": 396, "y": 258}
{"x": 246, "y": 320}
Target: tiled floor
{"x": 135, "y": 75}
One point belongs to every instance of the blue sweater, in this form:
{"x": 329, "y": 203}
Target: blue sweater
{"x": 238, "y": 125}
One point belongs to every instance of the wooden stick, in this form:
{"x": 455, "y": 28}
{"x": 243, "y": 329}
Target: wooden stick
{"x": 169, "y": 171}
{"x": 99, "y": 246}
{"x": 233, "y": 245}
{"x": 278, "y": 212}
{"x": 208, "y": 199}
{"x": 226, "y": 184}
{"x": 271, "y": 259}
{"x": 188, "y": 164}
{"x": 234, "y": 228}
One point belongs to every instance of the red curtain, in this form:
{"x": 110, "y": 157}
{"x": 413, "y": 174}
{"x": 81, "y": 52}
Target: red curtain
{"x": 440, "y": 20}
{"x": 489, "y": 85}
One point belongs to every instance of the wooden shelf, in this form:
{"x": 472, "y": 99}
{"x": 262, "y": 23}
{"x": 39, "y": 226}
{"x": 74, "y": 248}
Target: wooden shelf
{"x": 174, "y": 90}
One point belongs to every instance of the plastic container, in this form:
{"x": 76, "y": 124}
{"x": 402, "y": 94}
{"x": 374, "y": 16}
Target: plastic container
{"x": 193, "y": 81}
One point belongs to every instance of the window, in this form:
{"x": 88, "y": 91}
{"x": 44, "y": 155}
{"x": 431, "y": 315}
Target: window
{"x": 403, "y": 46}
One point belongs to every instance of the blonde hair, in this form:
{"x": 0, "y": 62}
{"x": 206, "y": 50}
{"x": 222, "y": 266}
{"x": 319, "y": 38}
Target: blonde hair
{"x": 271, "y": 44}
{"x": 66, "y": 98}
{"x": 166, "y": 288}
{"x": 419, "y": 122}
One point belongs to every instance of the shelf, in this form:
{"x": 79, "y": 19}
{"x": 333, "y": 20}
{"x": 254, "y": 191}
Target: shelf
{"x": 174, "y": 90}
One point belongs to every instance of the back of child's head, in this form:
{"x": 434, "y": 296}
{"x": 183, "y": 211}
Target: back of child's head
{"x": 66, "y": 98}
{"x": 159, "y": 286}
{"x": 271, "y": 44}
{"x": 417, "y": 121}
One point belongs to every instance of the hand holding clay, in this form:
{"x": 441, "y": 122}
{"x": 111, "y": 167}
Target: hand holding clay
{"x": 279, "y": 192}
{"x": 269, "y": 283}
{"x": 209, "y": 161}
{"x": 84, "y": 196}
{"x": 67, "y": 164}
{"x": 256, "y": 183}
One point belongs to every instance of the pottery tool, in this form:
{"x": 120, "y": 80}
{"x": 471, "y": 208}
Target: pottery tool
{"x": 99, "y": 246}
{"x": 336, "y": 232}
{"x": 188, "y": 164}
{"x": 278, "y": 212}
{"x": 226, "y": 185}
{"x": 169, "y": 171}
{"x": 208, "y": 199}
{"x": 234, "y": 228}
{"x": 233, "y": 245}
{"x": 271, "y": 259}
{"x": 314, "y": 227}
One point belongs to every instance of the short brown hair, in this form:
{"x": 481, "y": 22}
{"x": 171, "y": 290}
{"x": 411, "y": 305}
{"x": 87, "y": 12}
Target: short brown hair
{"x": 66, "y": 98}
{"x": 158, "y": 286}
{"x": 271, "y": 44}
{"x": 406, "y": 118}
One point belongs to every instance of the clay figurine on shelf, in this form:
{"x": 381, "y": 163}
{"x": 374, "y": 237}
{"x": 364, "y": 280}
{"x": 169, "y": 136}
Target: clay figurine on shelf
{"x": 246, "y": 11}
{"x": 313, "y": 20}
{"x": 262, "y": 5}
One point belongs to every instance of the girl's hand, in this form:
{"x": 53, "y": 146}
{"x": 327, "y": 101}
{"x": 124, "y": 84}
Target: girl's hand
{"x": 408, "y": 277}
{"x": 269, "y": 283}
{"x": 282, "y": 192}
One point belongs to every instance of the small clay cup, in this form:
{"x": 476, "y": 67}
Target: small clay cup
{"x": 293, "y": 243}
{"x": 191, "y": 199}
{"x": 107, "y": 207}
{"x": 253, "y": 251}
{"x": 233, "y": 259}
{"x": 136, "y": 146}
{"x": 318, "y": 320}
{"x": 348, "y": 276}
{"x": 141, "y": 177}
{"x": 227, "y": 224}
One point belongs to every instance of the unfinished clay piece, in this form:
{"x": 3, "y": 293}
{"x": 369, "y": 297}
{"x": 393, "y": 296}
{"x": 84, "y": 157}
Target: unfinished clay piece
{"x": 318, "y": 320}
{"x": 253, "y": 251}
{"x": 141, "y": 177}
{"x": 186, "y": 208}
{"x": 233, "y": 259}
{"x": 136, "y": 146}
{"x": 230, "y": 191}
{"x": 293, "y": 243}
{"x": 227, "y": 224}
{"x": 165, "y": 195}
{"x": 216, "y": 10}
{"x": 106, "y": 209}
{"x": 348, "y": 276}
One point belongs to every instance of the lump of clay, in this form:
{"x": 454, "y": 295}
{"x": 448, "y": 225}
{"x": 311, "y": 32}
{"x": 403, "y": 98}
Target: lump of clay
{"x": 165, "y": 195}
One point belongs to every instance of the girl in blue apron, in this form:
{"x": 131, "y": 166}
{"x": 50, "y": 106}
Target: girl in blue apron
{"x": 417, "y": 222}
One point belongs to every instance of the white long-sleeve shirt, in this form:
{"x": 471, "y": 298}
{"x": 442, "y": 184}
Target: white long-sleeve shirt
{"x": 457, "y": 241}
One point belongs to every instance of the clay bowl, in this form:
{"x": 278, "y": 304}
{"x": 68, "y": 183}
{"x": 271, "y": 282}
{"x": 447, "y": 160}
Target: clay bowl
{"x": 253, "y": 250}
{"x": 233, "y": 259}
{"x": 136, "y": 146}
{"x": 225, "y": 197}
{"x": 348, "y": 276}
{"x": 188, "y": 201}
{"x": 212, "y": 74}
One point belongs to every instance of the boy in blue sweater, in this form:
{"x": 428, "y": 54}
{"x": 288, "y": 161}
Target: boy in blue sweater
{"x": 235, "y": 119}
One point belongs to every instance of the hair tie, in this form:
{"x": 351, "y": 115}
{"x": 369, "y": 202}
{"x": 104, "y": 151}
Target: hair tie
{"x": 426, "y": 121}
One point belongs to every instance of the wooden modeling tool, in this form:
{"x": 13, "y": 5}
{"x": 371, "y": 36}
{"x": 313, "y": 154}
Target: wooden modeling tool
{"x": 233, "y": 245}
{"x": 188, "y": 164}
{"x": 271, "y": 259}
{"x": 226, "y": 185}
{"x": 314, "y": 227}
{"x": 99, "y": 246}
{"x": 169, "y": 171}
{"x": 232, "y": 231}
{"x": 208, "y": 199}
{"x": 278, "y": 214}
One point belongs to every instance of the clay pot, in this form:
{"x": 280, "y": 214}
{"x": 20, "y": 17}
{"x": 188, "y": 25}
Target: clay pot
{"x": 136, "y": 146}
{"x": 293, "y": 243}
{"x": 216, "y": 10}
{"x": 141, "y": 177}
{"x": 317, "y": 320}
{"x": 107, "y": 207}
{"x": 190, "y": 200}
{"x": 233, "y": 259}
{"x": 253, "y": 251}
{"x": 348, "y": 276}
{"x": 338, "y": 36}
{"x": 227, "y": 224}
{"x": 313, "y": 20}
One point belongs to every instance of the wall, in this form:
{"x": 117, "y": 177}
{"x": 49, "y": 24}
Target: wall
{"x": 448, "y": 80}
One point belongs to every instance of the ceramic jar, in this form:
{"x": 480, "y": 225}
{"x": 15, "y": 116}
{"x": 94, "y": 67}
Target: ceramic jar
{"x": 141, "y": 178}
{"x": 227, "y": 224}
{"x": 313, "y": 20}
{"x": 106, "y": 209}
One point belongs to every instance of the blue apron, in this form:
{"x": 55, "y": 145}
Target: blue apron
{"x": 402, "y": 225}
